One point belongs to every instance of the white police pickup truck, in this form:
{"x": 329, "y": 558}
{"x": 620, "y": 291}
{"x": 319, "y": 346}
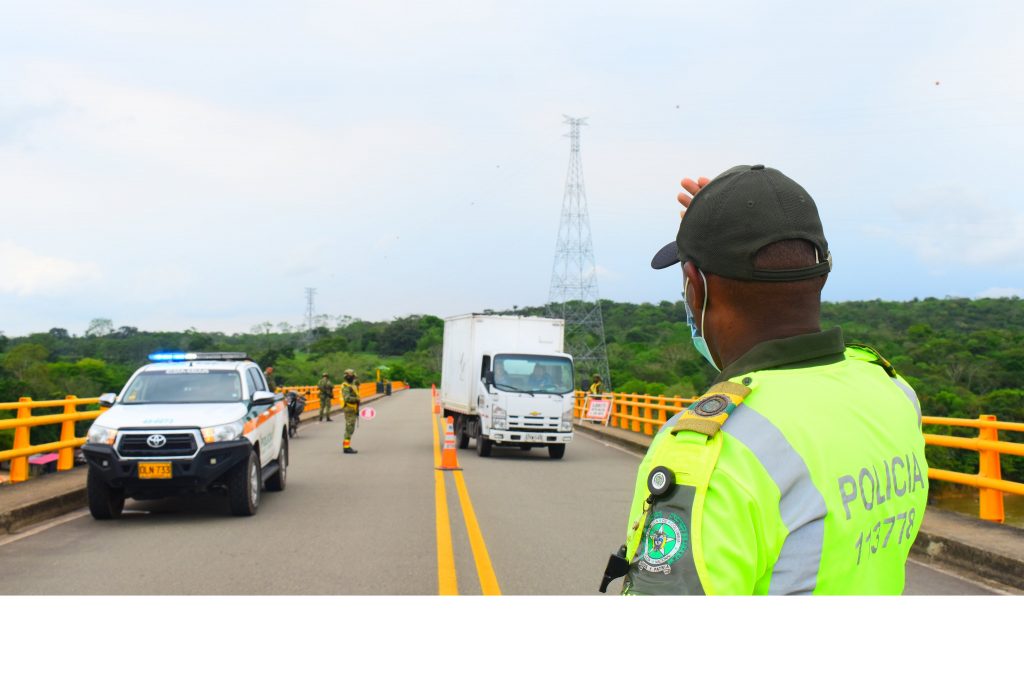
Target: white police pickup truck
{"x": 188, "y": 423}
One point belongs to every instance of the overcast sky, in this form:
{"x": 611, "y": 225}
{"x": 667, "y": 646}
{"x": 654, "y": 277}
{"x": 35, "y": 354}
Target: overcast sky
{"x": 169, "y": 165}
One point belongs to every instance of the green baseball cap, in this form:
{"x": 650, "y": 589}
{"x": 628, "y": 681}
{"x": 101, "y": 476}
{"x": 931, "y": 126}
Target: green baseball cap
{"x": 739, "y": 212}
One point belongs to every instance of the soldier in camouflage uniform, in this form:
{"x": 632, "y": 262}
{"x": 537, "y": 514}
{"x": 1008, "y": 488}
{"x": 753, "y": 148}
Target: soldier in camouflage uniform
{"x": 350, "y": 400}
{"x": 326, "y": 394}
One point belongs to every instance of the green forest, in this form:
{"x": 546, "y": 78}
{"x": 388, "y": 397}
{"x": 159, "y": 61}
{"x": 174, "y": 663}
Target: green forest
{"x": 964, "y": 357}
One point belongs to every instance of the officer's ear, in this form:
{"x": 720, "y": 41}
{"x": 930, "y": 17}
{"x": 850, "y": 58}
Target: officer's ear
{"x": 694, "y": 292}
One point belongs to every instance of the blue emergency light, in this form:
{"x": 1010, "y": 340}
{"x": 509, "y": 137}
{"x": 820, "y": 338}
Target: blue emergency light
{"x": 180, "y": 356}
{"x": 170, "y": 356}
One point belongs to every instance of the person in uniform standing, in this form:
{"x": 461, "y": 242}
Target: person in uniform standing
{"x": 802, "y": 469}
{"x": 595, "y": 386}
{"x": 268, "y": 374}
{"x": 350, "y": 399}
{"x": 326, "y": 395}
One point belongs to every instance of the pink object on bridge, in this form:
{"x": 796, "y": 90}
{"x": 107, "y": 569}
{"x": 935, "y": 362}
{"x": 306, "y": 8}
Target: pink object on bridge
{"x": 43, "y": 458}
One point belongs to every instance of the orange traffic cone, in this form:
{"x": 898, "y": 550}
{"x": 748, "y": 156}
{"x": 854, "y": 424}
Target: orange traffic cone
{"x": 435, "y": 400}
{"x": 449, "y": 457}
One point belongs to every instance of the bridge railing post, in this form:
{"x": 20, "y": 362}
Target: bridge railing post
{"x": 66, "y": 459}
{"x": 19, "y": 466}
{"x": 990, "y": 501}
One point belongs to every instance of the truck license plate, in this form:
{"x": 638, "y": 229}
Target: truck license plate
{"x": 154, "y": 470}
{"x": 534, "y": 437}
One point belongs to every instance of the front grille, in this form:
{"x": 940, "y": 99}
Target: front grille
{"x": 533, "y": 424}
{"x": 136, "y": 446}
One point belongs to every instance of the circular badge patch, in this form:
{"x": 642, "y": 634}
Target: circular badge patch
{"x": 665, "y": 541}
{"x": 711, "y": 406}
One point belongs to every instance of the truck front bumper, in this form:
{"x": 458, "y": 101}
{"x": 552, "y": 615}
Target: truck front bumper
{"x": 193, "y": 474}
{"x": 512, "y": 436}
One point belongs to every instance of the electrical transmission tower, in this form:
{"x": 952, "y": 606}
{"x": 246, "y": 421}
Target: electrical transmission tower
{"x": 310, "y": 294}
{"x": 573, "y": 295}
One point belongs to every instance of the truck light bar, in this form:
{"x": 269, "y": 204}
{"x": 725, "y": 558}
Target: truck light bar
{"x": 178, "y": 356}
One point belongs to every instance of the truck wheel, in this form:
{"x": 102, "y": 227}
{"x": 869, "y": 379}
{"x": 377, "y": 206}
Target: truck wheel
{"x": 483, "y": 446}
{"x": 556, "y": 451}
{"x": 460, "y": 429}
{"x": 244, "y": 486}
{"x": 279, "y": 479}
{"x": 104, "y": 501}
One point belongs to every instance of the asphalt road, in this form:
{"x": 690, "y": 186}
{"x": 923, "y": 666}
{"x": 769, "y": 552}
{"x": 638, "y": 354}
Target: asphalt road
{"x": 366, "y": 524}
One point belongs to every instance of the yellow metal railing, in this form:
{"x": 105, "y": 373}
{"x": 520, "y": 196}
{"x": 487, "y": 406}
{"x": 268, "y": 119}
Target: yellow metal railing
{"x": 312, "y": 393}
{"x": 646, "y": 414}
{"x": 26, "y": 418}
{"x": 22, "y": 425}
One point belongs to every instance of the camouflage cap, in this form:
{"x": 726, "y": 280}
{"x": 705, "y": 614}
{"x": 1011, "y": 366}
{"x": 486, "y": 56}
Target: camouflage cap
{"x": 350, "y": 371}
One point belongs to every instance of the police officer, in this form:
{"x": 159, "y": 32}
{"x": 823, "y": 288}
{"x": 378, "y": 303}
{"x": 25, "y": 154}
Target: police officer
{"x": 268, "y": 374}
{"x": 595, "y": 387}
{"x": 802, "y": 469}
{"x": 350, "y": 399}
{"x": 326, "y": 395}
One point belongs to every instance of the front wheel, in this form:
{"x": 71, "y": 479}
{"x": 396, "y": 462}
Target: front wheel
{"x": 556, "y": 451}
{"x": 244, "y": 486}
{"x": 104, "y": 501}
{"x": 483, "y": 446}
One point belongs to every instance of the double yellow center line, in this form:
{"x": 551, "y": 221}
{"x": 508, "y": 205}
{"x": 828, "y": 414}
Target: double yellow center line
{"x": 447, "y": 582}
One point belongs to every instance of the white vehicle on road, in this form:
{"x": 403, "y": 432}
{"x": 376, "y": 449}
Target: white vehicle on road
{"x": 188, "y": 423}
{"x": 506, "y": 382}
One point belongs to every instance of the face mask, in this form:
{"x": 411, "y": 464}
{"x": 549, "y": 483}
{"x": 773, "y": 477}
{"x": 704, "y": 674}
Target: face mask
{"x": 699, "y": 342}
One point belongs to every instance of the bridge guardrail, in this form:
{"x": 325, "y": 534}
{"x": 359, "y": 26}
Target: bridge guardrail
{"x": 312, "y": 394}
{"x": 70, "y": 415}
{"x": 646, "y": 414}
{"x": 22, "y": 425}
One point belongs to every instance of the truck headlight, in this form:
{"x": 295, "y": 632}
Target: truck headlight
{"x": 567, "y": 415}
{"x": 499, "y": 423}
{"x": 98, "y": 434}
{"x": 499, "y": 412}
{"x": 227, "y": 432}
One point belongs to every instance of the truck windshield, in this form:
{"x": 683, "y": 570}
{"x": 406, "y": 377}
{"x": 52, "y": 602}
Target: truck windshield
{"x": 184, "y": 385}
{"x": 533, "y": 374}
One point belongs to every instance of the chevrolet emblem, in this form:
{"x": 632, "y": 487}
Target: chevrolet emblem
{"x": 535, "y": 413}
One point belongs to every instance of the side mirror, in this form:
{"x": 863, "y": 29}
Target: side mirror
{"x": 107, "y": 400}
{"x": 263, "y": 398}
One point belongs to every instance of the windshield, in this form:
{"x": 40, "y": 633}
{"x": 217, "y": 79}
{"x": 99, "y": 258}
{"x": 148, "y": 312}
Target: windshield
{"x": 184, "y": 385}
{"x": 533, "y": 374}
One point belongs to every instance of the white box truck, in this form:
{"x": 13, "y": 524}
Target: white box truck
{"x": 506, "y": 382}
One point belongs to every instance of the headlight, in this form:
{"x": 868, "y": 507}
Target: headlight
{"x": 566, "y": 427}
{"x": 98, "y": 434}
{"x": 228, "y": 432}
{"x": 568, "y": 413}
{"x": 499, "y": 424}
{"x": 499, "y": 412}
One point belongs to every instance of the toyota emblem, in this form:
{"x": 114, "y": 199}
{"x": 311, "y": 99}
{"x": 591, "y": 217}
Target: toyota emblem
{"x": 157, "y": 441}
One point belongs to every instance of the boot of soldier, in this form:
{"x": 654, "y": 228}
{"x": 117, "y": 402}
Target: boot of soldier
{"x": 350, "y": 450}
